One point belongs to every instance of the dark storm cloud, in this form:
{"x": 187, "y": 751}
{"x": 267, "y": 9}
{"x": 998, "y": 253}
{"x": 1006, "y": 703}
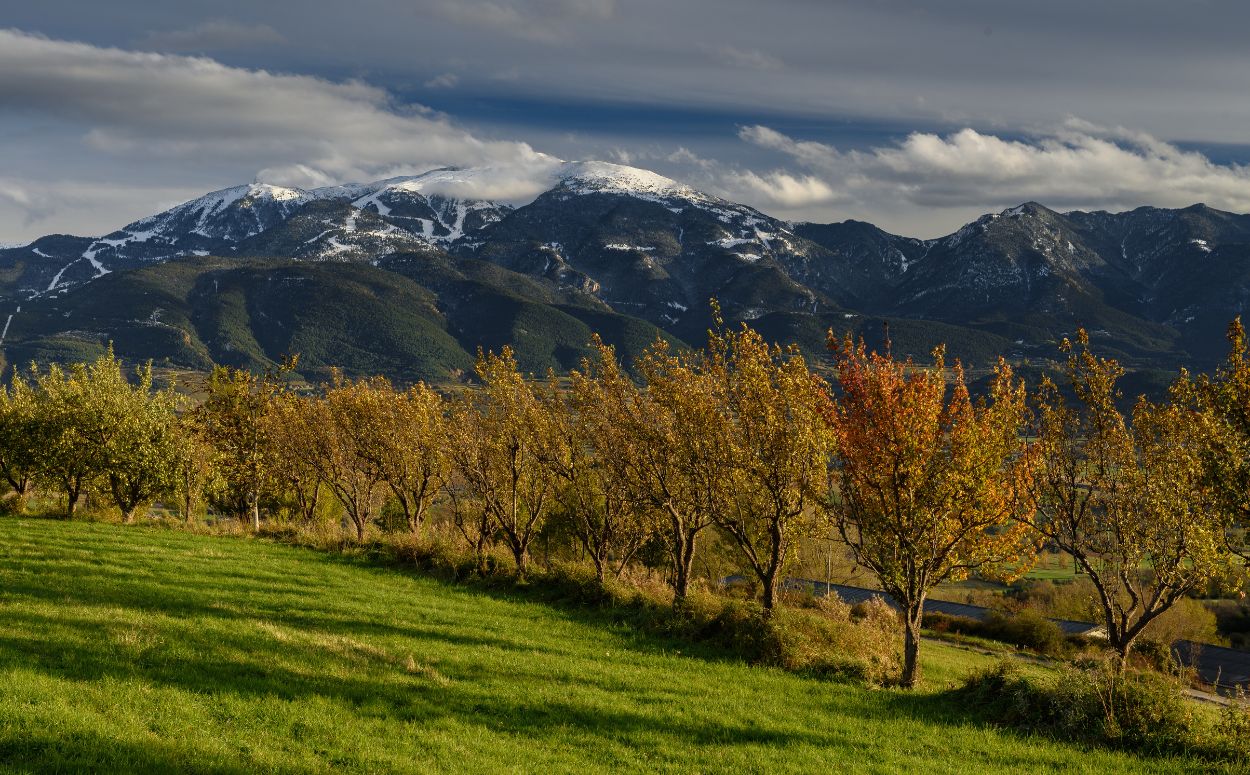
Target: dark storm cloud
{"x": 1141, "y": 74}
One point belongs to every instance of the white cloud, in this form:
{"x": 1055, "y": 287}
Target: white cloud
{"x": 43, "y": 206}
{"x": 139, "y": 105}
{"x": 779, "y": 188}
{"x": 1079, "y": 165}
{"x": 212, "y": 35}
{"x": 149, "y": 124}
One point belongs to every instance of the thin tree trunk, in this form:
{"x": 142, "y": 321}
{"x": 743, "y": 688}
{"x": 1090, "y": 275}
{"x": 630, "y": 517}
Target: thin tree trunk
{"x": 913, "y": 617}
{"x": 71, "y": 501}
{"x": 769, "y": 594}
{"x": 521, "y": 557}
{"x": 600, "y": 569}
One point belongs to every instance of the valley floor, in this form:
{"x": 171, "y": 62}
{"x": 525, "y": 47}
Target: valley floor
{"x": 140, "y": 649}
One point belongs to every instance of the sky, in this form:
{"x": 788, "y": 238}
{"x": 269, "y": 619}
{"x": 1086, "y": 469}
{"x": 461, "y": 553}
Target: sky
{"x": 917, "y": 116}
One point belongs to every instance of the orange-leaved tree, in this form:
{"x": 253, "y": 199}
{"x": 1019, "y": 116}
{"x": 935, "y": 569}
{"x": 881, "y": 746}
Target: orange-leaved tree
{"x": 929, "y": 485}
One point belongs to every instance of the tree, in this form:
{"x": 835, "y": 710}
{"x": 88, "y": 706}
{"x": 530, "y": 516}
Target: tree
{"x": 141, "y": 450}
{"x": 20, "y": 442}
{"x": 196, "y": 469}
{"x": 495, "y": 443}
{"x": 1222, "y": 404}
{"x": 91, "y": 422}
{"x": 234, "y": 420}
{"x": 292, "y": 433}
{"x": 344, "y": 429}
{"x": 778, "y": 448}
{"x": 589, "y": 456}
{"x": 929, "y": 484}
{"x": 413, "y": 454}
{"x": 74, "y": 427}
{"x": 1131, "y": 503}
{"x": 678, "y": 461}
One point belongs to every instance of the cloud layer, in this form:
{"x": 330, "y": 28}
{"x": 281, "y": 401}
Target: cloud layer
{"x": 95, "y": 136}
{"x": 1079, "y": 166}
{"x": 147, "y": 110}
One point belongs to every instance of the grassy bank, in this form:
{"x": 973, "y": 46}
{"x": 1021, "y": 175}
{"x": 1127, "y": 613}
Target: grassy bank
{"x": 143, "y": 649}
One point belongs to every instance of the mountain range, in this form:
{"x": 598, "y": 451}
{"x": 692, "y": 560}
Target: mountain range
{"x": 409, "y": 276}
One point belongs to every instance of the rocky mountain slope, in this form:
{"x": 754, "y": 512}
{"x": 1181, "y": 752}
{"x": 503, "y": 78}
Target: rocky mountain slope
{"x": 409, "y": 275}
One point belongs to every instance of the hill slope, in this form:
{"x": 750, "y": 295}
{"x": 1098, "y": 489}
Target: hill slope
{"x": 419, "y": 316}
{"x": 146, "y": 650}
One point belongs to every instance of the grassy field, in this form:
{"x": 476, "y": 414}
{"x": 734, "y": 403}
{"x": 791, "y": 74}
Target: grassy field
{"x": 140, "y": 649}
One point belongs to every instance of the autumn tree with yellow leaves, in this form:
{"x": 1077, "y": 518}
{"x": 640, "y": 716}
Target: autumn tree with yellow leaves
{"x": 344, "y": 431}
{"x": 1222, "y": 405}
{"x": 679, "y": 461}
{"x": 929, "y": 485}
{"x": 1131, "y": 502}
{"x": 589, "y": 452}
{"x": 413, "y": 454}
{"x": 91, "y": 424}
{"x": 497, "y": 435}
{"x": 778, "y": 448}
{"x": 235, "y": 418}
{"x": 20, "y": 445}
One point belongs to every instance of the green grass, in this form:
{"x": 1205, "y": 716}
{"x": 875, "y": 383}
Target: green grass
{"x": 138, "y": 649}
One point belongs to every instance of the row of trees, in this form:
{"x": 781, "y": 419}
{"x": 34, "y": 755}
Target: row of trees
{"x": 924, "y": 483}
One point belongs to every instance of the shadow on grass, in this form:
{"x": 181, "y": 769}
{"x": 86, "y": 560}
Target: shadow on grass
{"x": 126, "y": 613}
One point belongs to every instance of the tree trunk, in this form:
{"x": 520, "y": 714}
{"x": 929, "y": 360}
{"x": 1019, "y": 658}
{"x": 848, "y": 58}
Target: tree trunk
{"x": 253, "y": 506}
{"x": 913, "y": 617}
{"x": 1123, "y": 647}
{"x": 71, "y": 501}
{"x": 479, "y": 552}
{"x": 600, "y": 566}
{"x": 768, "y": 597}
{"x": 128, "y": 515}
{"x": 683, "y": 560}
{"x": 360, "y": 530}
{"x": 521, "y": 557}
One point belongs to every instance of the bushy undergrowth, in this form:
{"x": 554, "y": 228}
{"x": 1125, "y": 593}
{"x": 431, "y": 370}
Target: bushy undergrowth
{"x": 1095, "y": 702}
{"x": 1026, "y": 629}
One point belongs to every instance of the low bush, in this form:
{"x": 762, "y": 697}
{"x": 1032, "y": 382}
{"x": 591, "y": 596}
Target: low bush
{"x": 1095, "y": 702}
{"x": 1025, "y": 629}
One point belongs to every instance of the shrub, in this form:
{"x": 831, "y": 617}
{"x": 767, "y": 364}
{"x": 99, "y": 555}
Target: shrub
{"x": 1024, "y": 629}
{"x": 1027, "y": 629}
{"x": 1187, "y": 619}
{"x": 1094, "y": 702}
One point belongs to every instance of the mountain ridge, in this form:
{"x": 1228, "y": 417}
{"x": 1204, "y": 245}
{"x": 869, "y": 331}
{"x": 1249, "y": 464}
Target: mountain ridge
{"x": 1154, "y": 286}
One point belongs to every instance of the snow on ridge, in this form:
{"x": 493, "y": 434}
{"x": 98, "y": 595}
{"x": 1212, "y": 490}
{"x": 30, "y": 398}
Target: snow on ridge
{"x": 627, "y": 246}
{"x": 598, "y": 176}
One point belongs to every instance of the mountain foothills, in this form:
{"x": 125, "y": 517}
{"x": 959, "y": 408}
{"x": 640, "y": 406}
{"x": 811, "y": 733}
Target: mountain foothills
{"x": 409, "y": 276}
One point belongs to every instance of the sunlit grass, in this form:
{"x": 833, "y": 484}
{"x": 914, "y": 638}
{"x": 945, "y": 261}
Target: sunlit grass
{"x": 147, "y": 650}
